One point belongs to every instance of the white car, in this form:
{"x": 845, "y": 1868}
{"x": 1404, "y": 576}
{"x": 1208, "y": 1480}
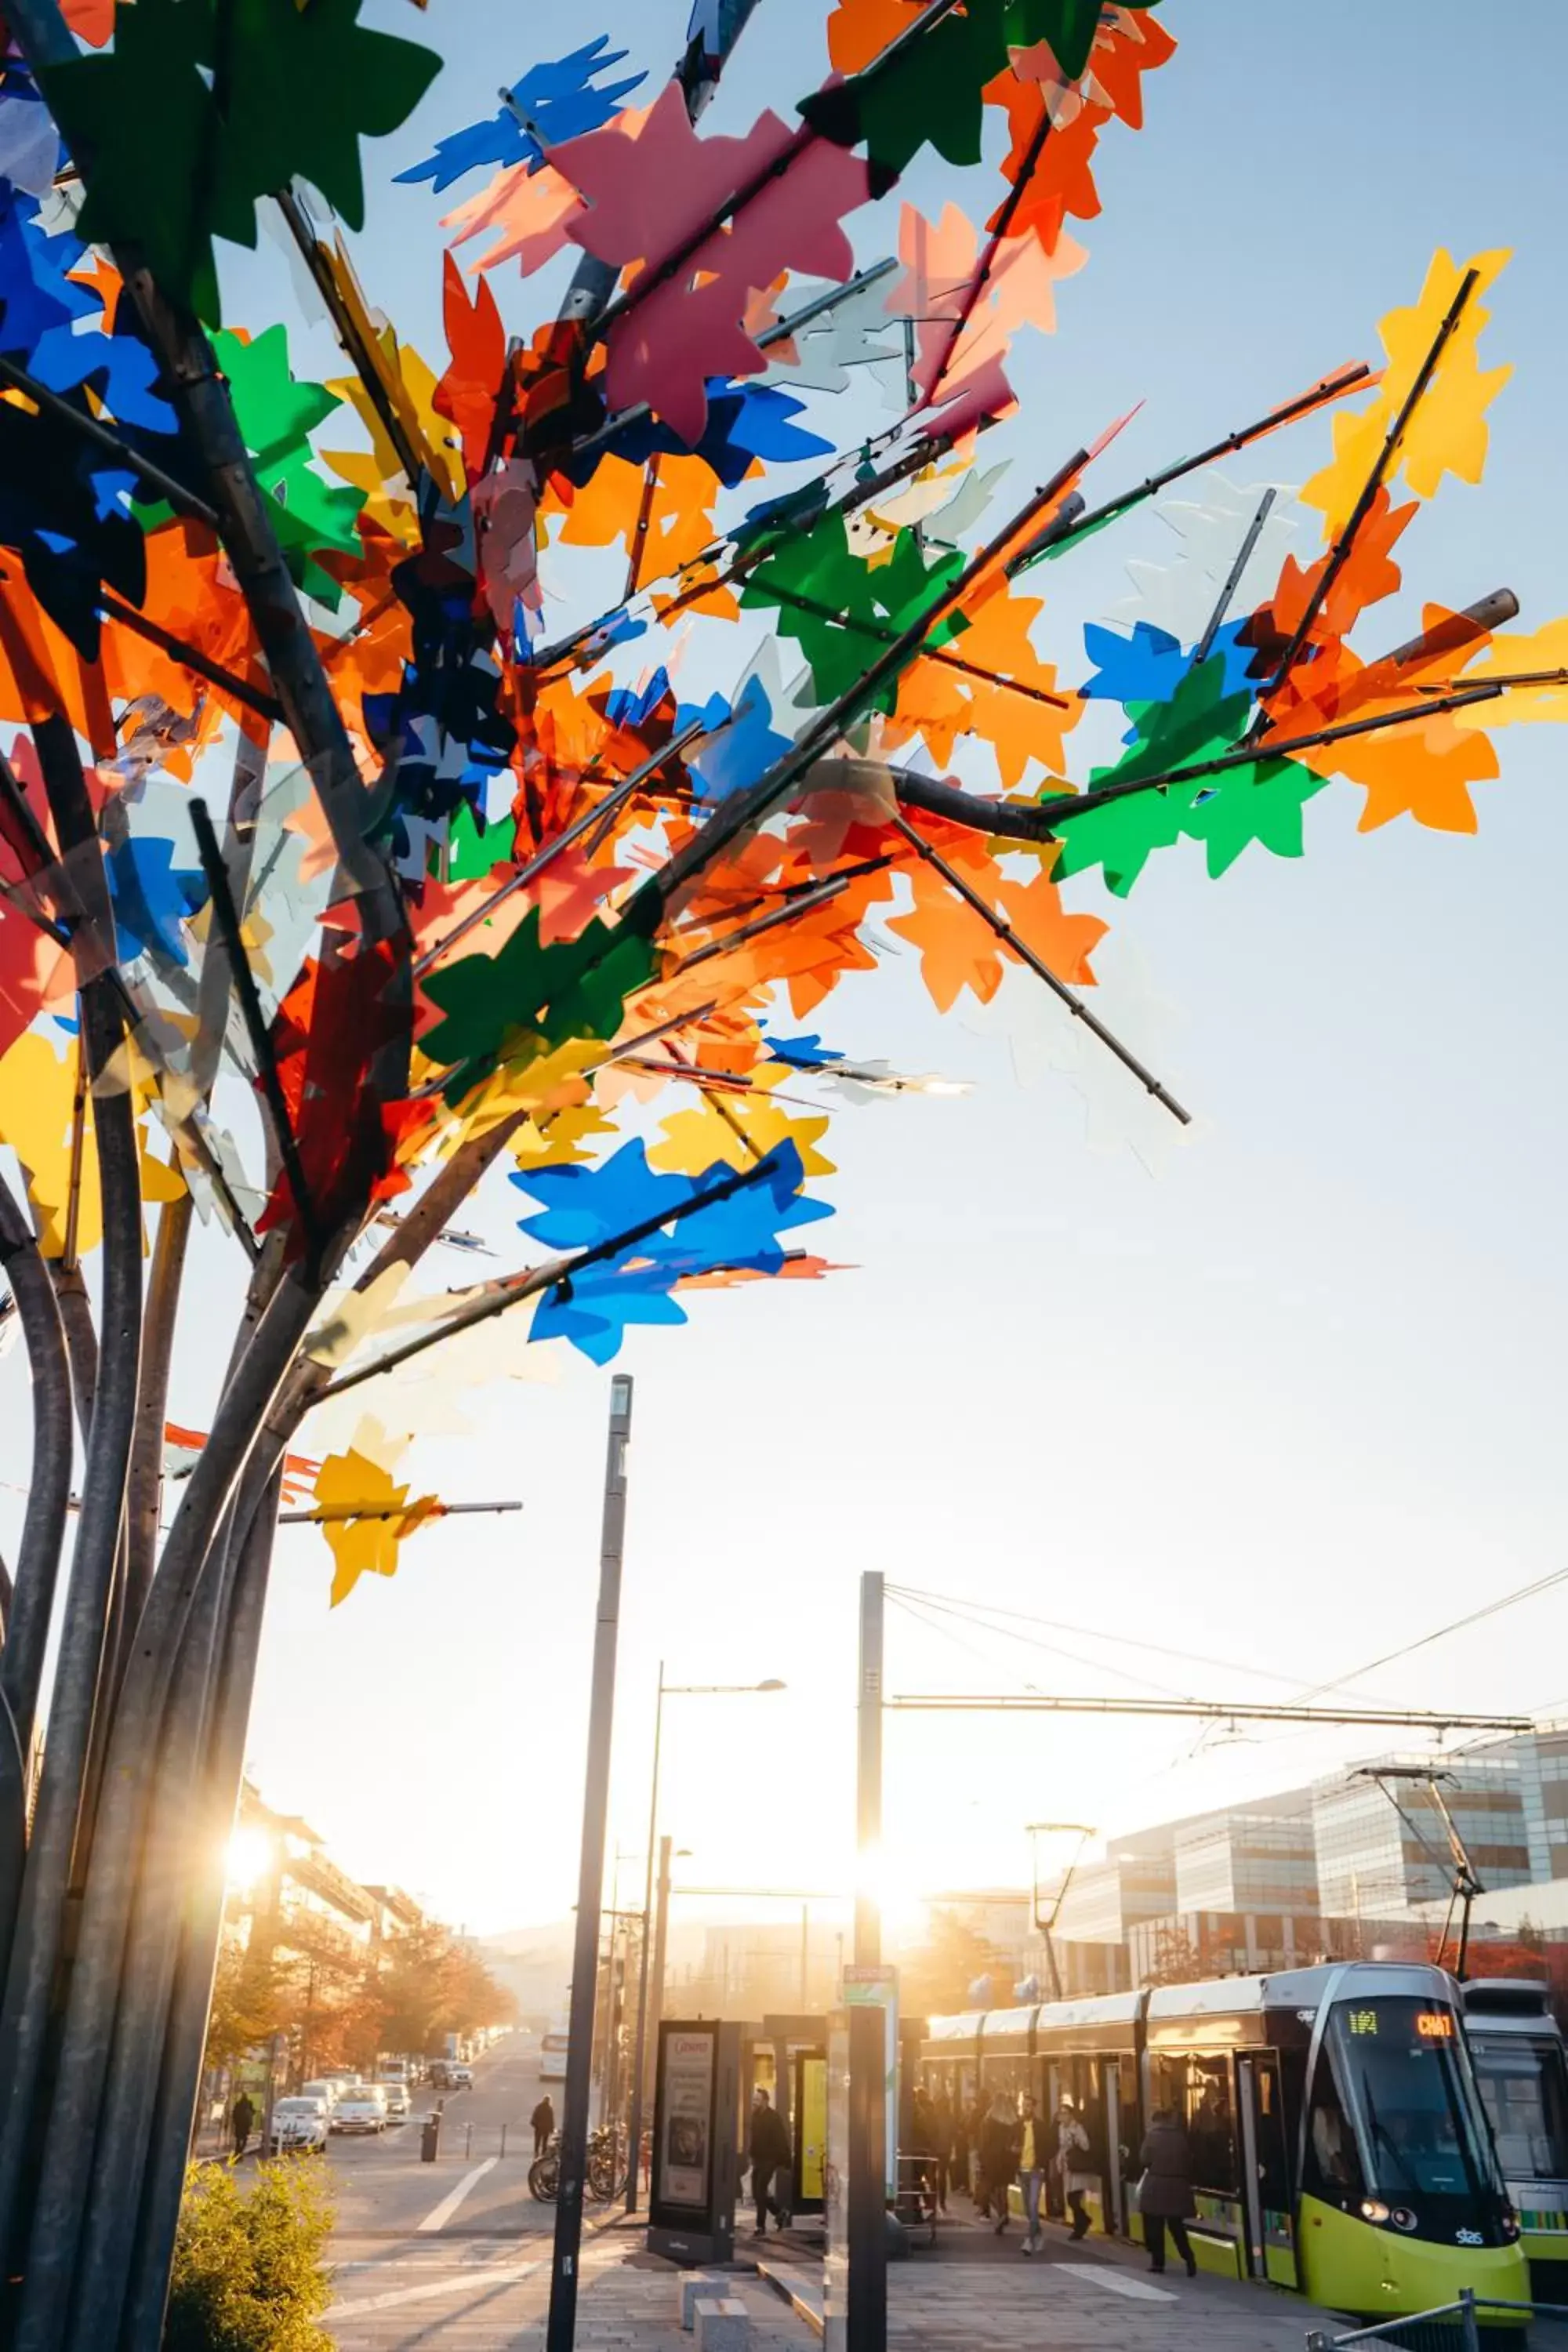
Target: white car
{"x": 459, "y": 2077}
{"x": 398, "y": 2104}
{"x": 300, "y": 2127}
{"x": 362, "y": 2108}
{"x": 323, "y": 2088}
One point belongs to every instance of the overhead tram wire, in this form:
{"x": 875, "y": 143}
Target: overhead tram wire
{"x": 971, "y": 1612}
{"x": 1476, "y": 1617}
{"x": 1051, "y": 1650}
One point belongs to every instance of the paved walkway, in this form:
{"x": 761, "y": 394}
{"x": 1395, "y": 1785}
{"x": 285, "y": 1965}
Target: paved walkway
{"x": 492, "y": 2296}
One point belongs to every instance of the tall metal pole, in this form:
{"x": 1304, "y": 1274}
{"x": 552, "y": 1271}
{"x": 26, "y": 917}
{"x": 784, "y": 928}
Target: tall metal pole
{"x": 562, "y": 2327}
{"x": 639, "y": 2057}
{"x": 660, "y": 1935}
{"x": 868, "y": 1777}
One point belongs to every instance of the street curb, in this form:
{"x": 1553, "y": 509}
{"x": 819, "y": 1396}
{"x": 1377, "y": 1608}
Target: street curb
{"x": 796, "y": 2302}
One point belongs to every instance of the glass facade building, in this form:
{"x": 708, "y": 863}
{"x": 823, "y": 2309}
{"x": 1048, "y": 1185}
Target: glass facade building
{"x": 1248, "y": 1862}
{"x": 1382, "y": 1848}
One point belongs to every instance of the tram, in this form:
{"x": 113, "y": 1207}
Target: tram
{"x": 1338, "y": 2134}
{"x": 1516, "y": 2047}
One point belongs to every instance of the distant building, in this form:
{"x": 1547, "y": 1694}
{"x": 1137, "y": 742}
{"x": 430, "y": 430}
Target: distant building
{"x": 1379, "y": 1856}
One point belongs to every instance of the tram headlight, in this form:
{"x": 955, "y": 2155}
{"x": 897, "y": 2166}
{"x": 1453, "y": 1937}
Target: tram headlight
{"x": 1404, "y": 2219}
{"x": 1372, "y": 2209}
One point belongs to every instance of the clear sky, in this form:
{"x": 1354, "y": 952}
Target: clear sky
{"x": 1292, "y": 1402}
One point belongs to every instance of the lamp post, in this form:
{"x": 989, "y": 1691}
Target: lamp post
{"x": 639, "y": 2057}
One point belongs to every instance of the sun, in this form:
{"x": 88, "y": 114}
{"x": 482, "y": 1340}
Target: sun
{"x": 899, "y": 1897}
{"x": 249, "y": 1856}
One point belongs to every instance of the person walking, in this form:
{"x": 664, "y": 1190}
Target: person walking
{"x": 941, "y": 2117}
{"x": 544, "y": 2122}
{"x": 242, "y": 2117}
{"x": 769, "y": 2148}
{"x": 1031, "y": 2172}
{"x": 1000, "y": 2142}
{"x": 1072, "y": 2146}
{"x": 1165, "y": 2195}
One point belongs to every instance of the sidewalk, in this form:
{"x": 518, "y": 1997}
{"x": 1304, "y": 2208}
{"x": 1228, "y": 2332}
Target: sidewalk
{"x": 974, "y": 2291}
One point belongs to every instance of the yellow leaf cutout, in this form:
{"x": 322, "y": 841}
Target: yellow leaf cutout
{"x": 1447, "y": 433}
{"x": 366, "y": 1546}
{"x": 1507, "y": 656}
{"x": 38, "y": 1094}
{"x": 694, "y": 1139}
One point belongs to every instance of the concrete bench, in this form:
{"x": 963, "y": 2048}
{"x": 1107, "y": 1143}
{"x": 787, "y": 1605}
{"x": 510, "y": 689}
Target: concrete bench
{"x": 697, "y": 2285}
{"x": 722, "y": 2327}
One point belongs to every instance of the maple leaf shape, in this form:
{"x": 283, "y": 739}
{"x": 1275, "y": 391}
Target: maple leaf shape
{"x": 939, "y": 702}
{"x": 648, "y": 190}
{"x": 365, "y": 1546}
{"x": 271, "y": 93}
{"x": 477, "y": 341}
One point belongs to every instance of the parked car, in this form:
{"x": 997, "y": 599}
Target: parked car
{"x": 323, "y": 2088}
{"x": 399, "y": 2107}
{"x": 361, "y": 2109}
{"x": 300, "y": 2125}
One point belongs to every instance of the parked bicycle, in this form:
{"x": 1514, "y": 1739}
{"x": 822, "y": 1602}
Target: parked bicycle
{"x": 606, "y": 2175}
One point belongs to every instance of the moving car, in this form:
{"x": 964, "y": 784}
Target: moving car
{"x": 300, "y": 2125}
{"x": 362, "y": 2108}
{"x": 460, "y": 2078}
{"x": 323, "y": 2088}
{"x": 398, "y": 2104}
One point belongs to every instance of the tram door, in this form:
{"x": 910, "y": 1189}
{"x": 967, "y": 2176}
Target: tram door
{"x": 810, "y": 2134}
{"x": 1113, "y": 2216}
{"x": 1266, "y": 2203}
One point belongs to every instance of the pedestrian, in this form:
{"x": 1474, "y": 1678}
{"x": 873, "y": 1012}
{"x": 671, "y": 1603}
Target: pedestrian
{"x": 1031, "y": 2172}
{"x": 942, "y": 2119}
{"x": 1165, "y": 2195}
{"x": 1072, "y": 2145}
{"x": 242, "y": 2115}
{"x": 1000, "y": 2142}
{"x": 769, "y": 2148}
{"x": 544, "y": 2122}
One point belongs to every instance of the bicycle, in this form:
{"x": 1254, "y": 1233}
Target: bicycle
{"x": 605, "y": 2174}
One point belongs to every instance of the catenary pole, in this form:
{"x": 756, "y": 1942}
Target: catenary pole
{"x": 639, "y": 2053}
{"x": 868, "y": 1776}
{"x": 560, "y": 2328}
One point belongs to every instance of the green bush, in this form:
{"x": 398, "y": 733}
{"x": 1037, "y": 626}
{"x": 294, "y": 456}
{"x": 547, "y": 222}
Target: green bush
{"x": 249, "y": 2273}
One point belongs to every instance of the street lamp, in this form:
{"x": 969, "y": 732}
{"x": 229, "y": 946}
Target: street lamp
{"x": 666, "y": 1690}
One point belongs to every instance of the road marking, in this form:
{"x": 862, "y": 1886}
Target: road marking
{"x": 1117, "y": 2282}
{"x": 475, "y": 2276}
{"x": 449, "y": 2204}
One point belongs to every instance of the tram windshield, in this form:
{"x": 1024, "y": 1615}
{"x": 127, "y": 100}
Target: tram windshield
{"x": 1524, "y": 2087}
{"x": 1411, "y": 2108}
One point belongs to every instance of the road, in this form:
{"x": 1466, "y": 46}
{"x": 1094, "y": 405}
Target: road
{"x": 454, "y": 2255}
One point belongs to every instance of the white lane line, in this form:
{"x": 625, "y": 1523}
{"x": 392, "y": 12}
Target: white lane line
{"x": 449, "y": 2204}
{"x": 1118, "y": 2283}
{"x": 477, "y": 2277}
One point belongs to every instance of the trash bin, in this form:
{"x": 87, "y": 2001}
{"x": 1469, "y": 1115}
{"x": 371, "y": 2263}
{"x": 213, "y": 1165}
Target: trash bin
{"x": 430, "y": 2139}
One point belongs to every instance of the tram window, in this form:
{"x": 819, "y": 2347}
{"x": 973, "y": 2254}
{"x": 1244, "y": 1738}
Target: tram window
{"x": 1334, "y": 2163}
{"x": 1211, "y": 2124}
{"x": 1524, "y": 2089}
{"x": 1409, "y": 2102}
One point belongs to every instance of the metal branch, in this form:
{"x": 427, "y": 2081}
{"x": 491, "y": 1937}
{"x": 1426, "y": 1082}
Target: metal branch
{"x": 1330, "y": 387}
{"x": 516, "y": 1288}
{"x": 1042, "y": 971}
{"x": 49, "y": 1489}
{"x": 266, "y": 706}
{"x": 164, "y": 486}
{"x": 57, "y": 1833}
{"x": 227, "y": 917}
{"x": 1006, "y": 217}
{"x": 343, "y": 1512}
{"x": 941, "y": 654}
{"x": 1339, "y": 553}
{"x": 746, "y": 808}
{"x": 1233, "y": 577}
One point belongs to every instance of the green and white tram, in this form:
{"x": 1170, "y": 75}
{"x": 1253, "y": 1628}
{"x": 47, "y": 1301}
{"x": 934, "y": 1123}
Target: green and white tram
{"x": 1516, "y": 2047}
{"x": 1339, "y": 2137}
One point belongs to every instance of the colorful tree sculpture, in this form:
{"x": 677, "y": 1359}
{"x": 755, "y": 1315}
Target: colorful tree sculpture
{"x": 316, "y": 826}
